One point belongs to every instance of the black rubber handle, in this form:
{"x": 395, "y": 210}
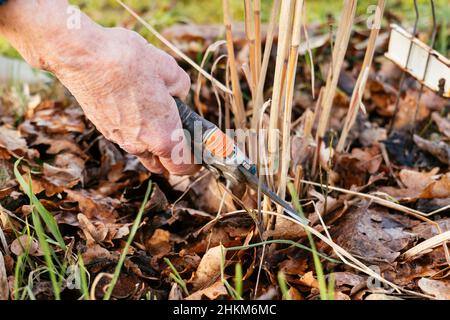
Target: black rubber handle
{"x": 191, "y": 119}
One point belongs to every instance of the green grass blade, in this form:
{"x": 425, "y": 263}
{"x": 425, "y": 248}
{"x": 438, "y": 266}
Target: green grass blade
{"x": 47, "y": 253}
{"x": 288, "y": 242}
{"x": 283, "y": 286}
{"x": 176, "y": 276}
{"x": 18, "y": 276}
{"x": 317, "y": 263}
{"x": 46, "y": 216}
{"x": 133, "y": 231}
{"x": 238, "y": 282}
{"x": 225, "y": 282}
{"x": 83, "y": 279}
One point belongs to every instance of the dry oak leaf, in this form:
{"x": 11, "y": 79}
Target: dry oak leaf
{"x": 27, "y": 244}
{"x": 374, "y": 234}
{"x": 98, "y": 231}
{"x": 159, "y": 244}
{"x": 94, "y": 206}
{"x": 39, "y": 185}
{"x": 209, "y": 268}
{"x": 309, "y": 281}
{"x": 14, "y": 144}
{"x": 207, "y": 195}
{"x": 437, "y": 288}
{"x": 286, "y": 229}
{"x": 355, "y": 169}
{"x": 213, "y": 292}
{"x": 421, "y": 185}
{"x": 66, "y": 171}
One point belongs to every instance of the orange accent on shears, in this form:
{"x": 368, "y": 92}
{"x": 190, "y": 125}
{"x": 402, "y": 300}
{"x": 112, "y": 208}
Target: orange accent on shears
{"x": 219, "y": 144}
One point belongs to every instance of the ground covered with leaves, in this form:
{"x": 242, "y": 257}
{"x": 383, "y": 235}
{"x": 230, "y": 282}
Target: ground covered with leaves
{"x": 69, "y": 198}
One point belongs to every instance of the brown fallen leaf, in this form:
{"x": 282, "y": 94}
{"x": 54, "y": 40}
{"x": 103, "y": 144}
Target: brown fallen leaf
{"x": 406, "y": 114}
{"x": 208, "y": 269}
{"x": 26, "y": 244}
{"x": 12, "y": 143}
{"x": 285, "y": 229}
{"x": 416, "y": 180}
{"x": 372, "y": 135}
{"x": 420, "y": 185}
{"x": 437, "y": 288}
{"x": 66, "y": 170}
{"x": 207, "y": 194}
{"x": 95, "y": 252}
{"x": 295, "y": 294}
{"x": 309, "y": 281}
{"x": 93, "y": 205}
{"x": 175, "y": 292}
{"x": 294, "y": 266}
{"x": 426, "y": 230}
{"x": 340, "y": 296}
{"x": 56, "y": 118}
{"x": 39, "y": 184}
{"x": 373, "y": 234}
{"x": 381, "y": 296}
{"x": 97, "y": 231}
{"x": 212, "y": 293}
{"x": 437, "y": 189}
{"x": 355, "y": 169}
{"x": 348, "y": 279}
{"x": 58, "y": 144}
{"x": 159, "y": 243}
{"x": 440, "y": 149}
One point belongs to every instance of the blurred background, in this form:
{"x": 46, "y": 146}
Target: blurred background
{"x": 165, "y": 13}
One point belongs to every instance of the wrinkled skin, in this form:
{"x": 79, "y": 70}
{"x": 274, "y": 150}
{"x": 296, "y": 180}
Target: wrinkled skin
{"x": 124, "y": 85}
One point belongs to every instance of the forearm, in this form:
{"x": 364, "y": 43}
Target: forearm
{"x": 40, "y": 31}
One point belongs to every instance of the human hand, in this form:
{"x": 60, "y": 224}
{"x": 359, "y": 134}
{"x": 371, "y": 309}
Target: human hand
{"x": 125, "y": 86}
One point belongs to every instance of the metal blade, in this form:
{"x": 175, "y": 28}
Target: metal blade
{"x": 254, "y": 182}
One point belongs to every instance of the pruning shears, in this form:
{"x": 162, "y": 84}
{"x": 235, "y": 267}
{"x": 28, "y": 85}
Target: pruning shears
{"x": 222, "y": 156}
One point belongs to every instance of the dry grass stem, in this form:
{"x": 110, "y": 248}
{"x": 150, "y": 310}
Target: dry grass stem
{"x": 290, "y": 85}
{"x": 356, "y": 100}
{"x": 339, "y": 51}
{"x": 237, "y": 103}
{"x": 284, "y": 36}
{"x": 258, "y": 102}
